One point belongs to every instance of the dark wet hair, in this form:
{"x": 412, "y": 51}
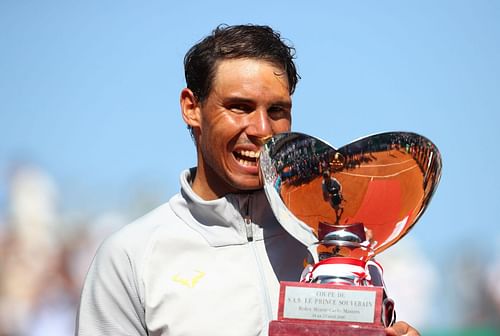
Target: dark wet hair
{"x": 233, "y": 42}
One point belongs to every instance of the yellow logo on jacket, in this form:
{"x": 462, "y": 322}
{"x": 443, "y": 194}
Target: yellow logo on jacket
{"x": 189, "y": 280}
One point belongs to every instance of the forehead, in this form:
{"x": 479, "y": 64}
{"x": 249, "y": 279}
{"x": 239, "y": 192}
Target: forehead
{"x": 250, "y": 74}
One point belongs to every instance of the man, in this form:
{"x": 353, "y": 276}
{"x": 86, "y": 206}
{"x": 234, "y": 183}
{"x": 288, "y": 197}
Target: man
{"x": 332, "y": 192}
{"x": 209, "y": 261}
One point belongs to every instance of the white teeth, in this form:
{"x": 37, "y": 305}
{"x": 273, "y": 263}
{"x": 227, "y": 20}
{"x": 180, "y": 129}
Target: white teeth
{"x": 250, "y": 154}
{"x": 248, "y": 158}
{"x": 246, "y": 163}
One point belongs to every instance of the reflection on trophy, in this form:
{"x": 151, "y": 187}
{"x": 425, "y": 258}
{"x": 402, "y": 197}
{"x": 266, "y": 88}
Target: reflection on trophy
{"x": 346, "y": 206}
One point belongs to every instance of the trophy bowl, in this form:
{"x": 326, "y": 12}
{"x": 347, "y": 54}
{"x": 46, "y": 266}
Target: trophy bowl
{"x": 346, "y": 205}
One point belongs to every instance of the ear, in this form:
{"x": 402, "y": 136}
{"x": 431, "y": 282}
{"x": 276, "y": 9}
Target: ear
{"x": 190, "y": 108}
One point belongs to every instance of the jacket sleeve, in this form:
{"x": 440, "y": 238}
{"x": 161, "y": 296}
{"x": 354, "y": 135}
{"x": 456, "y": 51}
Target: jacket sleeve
{"x": 111, "y": 303}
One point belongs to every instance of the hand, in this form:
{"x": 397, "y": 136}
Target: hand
{"x": 401, "y": 329}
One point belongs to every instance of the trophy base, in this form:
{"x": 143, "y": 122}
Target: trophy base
{"x": 292, "y": 328}
{"x": 325, "y": 309}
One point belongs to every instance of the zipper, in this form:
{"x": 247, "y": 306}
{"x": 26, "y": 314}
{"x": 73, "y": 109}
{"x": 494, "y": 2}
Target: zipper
{"x": 249, "y": 230}
{"x": 249, "y": 233}
{"x": 248, "y": 221}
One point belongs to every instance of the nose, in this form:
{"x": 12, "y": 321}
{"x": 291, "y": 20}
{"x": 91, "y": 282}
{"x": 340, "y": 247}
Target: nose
{"x": 259, "y": 126}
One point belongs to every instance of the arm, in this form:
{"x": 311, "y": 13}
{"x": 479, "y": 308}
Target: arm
{"x": 326, "y": 196}
{"x": 110, "y": 302}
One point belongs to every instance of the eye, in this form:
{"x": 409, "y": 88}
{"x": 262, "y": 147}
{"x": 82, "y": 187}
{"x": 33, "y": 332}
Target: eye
{"x": 278, "y": 111}
{"x": 240, "y": 108}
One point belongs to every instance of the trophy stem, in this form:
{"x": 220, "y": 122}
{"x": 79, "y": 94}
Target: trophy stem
{"x": 339, "y": 270}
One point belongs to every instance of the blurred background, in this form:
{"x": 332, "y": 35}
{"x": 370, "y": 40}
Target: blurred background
{"x": 91, "y": 135}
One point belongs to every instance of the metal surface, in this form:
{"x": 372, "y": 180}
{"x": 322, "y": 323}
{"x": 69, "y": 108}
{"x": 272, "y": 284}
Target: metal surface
{"x": 354, "y": 201}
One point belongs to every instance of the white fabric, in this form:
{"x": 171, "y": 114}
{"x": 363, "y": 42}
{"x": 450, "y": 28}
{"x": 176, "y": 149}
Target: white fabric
{"x": 189, "y": 268}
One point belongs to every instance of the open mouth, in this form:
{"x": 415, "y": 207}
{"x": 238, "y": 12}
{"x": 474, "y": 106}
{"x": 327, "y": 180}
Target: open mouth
{"x": 247, "y": 158}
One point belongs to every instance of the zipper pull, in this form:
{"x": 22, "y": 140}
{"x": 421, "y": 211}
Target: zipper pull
{"x": 247, "y": 219}
{"x": 248, "y": 227}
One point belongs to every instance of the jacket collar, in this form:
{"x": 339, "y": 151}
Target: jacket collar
{"x": 222, "y": 221}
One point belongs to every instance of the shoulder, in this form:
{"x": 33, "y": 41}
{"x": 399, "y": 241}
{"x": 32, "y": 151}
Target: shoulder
{"x": 113, "y": 295}
{"x": 130, "y": 245}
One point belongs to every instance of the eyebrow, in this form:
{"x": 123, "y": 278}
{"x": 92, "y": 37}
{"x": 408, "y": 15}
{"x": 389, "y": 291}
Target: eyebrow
{"x": 237, "y": 99}
{"x": 241, "y": 100}
{"x": 283, "y": 103}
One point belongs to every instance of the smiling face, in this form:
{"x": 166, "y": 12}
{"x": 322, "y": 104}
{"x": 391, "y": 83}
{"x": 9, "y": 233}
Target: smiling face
{"x": 249, "y": 102}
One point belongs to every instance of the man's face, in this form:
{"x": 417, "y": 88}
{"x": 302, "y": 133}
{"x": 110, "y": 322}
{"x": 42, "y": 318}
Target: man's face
{"x": 249, "y": 102}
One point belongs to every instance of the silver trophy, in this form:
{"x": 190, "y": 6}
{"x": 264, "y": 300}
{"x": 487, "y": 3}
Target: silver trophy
{"x": 346, "y": 205}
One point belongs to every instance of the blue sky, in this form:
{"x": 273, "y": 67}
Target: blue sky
{"x": 89, "y": 91}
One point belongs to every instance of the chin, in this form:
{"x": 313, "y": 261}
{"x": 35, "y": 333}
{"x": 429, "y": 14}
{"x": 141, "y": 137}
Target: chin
{"x": 248, "y": 185}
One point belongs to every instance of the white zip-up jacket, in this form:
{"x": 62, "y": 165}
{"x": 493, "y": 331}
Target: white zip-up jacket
{"x": 191, "y": 267}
